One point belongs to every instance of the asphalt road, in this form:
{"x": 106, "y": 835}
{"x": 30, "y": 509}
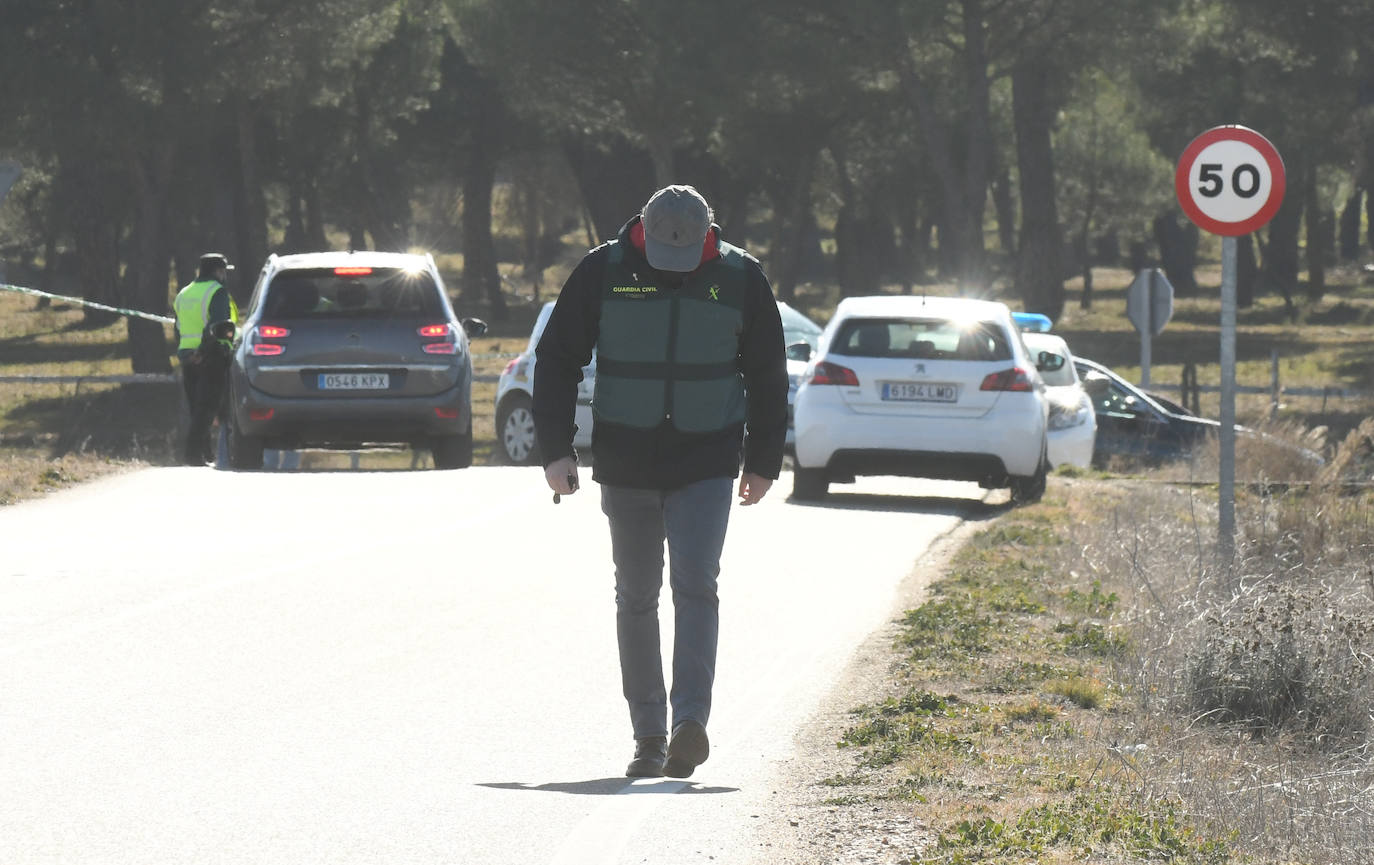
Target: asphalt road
{"x": 400, "y": 667}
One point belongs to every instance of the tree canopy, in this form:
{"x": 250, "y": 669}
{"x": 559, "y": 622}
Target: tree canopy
{"x": 997, "y": 145}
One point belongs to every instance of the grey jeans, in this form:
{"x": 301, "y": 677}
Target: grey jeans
{"x": 693, "y": 521}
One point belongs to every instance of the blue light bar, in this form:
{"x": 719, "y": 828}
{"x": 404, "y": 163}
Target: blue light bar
{"x": 1032, "y": 322}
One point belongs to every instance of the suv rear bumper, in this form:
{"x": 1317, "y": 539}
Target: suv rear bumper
{"x": 350, "y": 421}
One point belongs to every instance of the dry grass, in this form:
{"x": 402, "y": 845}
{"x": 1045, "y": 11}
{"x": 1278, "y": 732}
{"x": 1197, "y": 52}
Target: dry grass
{"x": 1253, "y": 685}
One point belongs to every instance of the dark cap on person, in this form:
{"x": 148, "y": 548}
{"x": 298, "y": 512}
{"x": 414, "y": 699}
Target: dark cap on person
{"x": 676, "y": 219}
{"x": 212, "y": 261}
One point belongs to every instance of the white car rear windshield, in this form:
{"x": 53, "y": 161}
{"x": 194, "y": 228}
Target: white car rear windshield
{"x": 326, "y": 293}
{"x": 923, "y": 338}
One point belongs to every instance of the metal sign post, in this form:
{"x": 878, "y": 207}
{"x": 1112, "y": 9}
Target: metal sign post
{"x": 1230, "y": 181}
{"x": 1226, "y": 506}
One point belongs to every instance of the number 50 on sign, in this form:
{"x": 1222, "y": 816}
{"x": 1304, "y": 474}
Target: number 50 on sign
{"x": 1230, "y": 181}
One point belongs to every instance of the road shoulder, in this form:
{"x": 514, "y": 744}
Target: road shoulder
{"x": 809, "y": 826}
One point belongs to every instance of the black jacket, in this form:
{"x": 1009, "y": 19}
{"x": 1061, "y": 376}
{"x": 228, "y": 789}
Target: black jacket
{"x": 663, "y": 458}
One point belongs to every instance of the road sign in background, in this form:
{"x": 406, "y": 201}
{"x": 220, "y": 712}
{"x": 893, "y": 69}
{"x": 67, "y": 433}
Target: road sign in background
{"x": 1230, "y": 181}
{"x": 1149, "y": 306}
{"x": 1150, "y": 301}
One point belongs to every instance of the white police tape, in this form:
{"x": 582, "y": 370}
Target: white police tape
{"x": 135, "y": 378}
{"x": 83, "y": 302}
{"x": 164, "y": 320}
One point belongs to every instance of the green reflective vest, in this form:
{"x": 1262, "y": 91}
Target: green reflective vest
{"x": 666, "y": 354}
{"x": 192, "y": 309}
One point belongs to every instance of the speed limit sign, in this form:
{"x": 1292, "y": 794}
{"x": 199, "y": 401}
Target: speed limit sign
{"x": 1230, "y": 181}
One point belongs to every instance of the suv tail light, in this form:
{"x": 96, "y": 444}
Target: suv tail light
{"x": 448, "y": 343}
{"x": 1014, "y": 379}
{"x": 825, "y": 372}
{"x": 258, "y": 348}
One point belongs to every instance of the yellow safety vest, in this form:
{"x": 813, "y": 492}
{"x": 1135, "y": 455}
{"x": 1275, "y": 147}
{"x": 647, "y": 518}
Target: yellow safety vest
{"x": 192, "y": 308}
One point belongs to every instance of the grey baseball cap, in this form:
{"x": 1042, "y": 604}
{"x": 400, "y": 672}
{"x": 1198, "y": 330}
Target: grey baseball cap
{"x": 676, "y": 219}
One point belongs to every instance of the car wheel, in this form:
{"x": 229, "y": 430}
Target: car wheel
{"x": 809, "y": 484}
{"x": 452, "y": 452}
{"x": 1027, "y": 490}
{"x": 245, "y": 452}
{"x": 515, "y": 432}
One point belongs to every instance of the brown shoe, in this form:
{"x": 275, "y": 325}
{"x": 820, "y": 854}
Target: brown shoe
{"x": 689, "y": 749}
{"x": 650, "y": 753}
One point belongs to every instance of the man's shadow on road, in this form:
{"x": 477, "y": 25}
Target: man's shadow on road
{"x": 612, "y": 787}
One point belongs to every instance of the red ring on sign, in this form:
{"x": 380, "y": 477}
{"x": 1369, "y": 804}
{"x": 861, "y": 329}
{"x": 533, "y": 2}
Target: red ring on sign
{"x": 1184, "y": 172}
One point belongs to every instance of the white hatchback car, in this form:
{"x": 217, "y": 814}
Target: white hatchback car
{"x": 515, "y": 437}
{"x": 1073, "y": 423}
{"x": 929, "y": 387}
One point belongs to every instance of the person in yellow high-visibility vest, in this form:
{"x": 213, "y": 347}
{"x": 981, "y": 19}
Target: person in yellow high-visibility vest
{"x": 204, "y": 367}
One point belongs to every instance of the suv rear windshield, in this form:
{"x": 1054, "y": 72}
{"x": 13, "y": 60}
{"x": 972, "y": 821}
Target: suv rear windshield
{"x": 927, "y": 338}
{"x": 380, "y": 292}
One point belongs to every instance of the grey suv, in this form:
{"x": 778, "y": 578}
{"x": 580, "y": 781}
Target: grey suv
{"x": 346, "y": 350}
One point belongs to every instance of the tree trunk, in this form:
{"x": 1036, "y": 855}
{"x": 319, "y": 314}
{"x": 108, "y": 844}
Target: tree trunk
{"x": 1350, "y": 227}
{"x": 1085, "y": 265}
{"x": 615, "y": 180}
{"x": 956, "y": 244}
{"x": 1320, "y": 238}
{"x": 661, "y": 154}
{"x": 1280, "y": 271}
{"x": 1247, "y": 269}
{"x": 48, "y": 279}
{"x": 147, "y": 288}
{"x": 978, "y": 147}
{"x": 481, "y": 279}
{"x": 314, "y": 217}
{"x": 854, "y": 258}
{"x": 95, "y": 239}
{"x": 1004, "y": 204}
{"x": 1369, "y": 217}
{"x": 1039, "y": 271}
{"x": 793, "y": 204}
{"x": 295, "y": 237}
{"x": 1177, "y": 254}
{"x": 908, "y": 225}
{"x": 251, "y": 222}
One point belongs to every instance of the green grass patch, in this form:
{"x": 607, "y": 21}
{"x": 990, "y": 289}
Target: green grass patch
{"x": 1091, "y": 638}
{"x": 1085, "y": 827}
{"x": 1094, "y": 603}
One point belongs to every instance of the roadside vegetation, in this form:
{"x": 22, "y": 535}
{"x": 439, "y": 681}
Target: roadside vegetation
{"x": 1088, "y": 682}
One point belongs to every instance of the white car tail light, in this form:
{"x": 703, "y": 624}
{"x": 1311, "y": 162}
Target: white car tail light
{"x": 1014, "y": 379}
{"x": 824, "y": 372}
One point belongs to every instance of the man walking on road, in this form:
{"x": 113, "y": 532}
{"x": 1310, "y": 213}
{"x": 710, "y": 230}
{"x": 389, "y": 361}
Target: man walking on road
{"x": 204, "y": 366}
{"x": 691, "y": 380}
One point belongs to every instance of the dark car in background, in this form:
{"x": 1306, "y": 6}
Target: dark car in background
{"x": 1138, "y": 425}
{"x": 348, "y": 350}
